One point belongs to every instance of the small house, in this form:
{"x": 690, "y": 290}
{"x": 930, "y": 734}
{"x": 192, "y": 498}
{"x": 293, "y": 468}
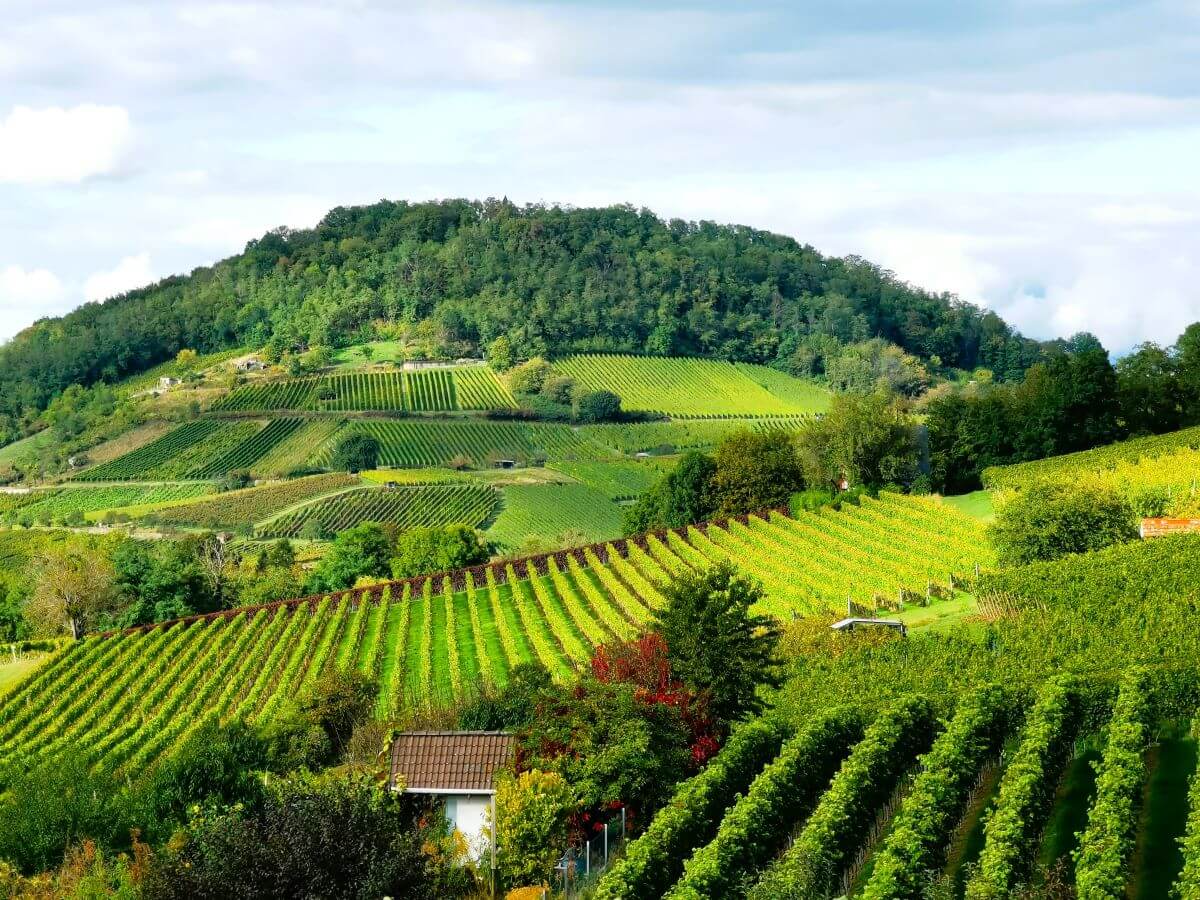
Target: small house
{"x": 642, "y": 454}
{"x": 392, "y": 486}
{"x": 506, "y": 464}
{"x": 167, "y": 382}
{"x": 459, "y": 769}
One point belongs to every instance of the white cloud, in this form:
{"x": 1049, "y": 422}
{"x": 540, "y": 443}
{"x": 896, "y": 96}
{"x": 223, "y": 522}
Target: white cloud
{"x": 26, "y": 295}
{"x": 131, "y": 272}
{"x": 57, "y": 145}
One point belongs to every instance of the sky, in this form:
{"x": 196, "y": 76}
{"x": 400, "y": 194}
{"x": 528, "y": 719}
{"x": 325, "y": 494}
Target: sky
{"x": 1038, "y": 157}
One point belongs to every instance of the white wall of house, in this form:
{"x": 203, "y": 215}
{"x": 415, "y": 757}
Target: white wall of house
{"x": 468, "y": 813}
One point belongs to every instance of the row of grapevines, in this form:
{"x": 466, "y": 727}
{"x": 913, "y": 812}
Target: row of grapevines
{"x": 1187, "y": 886}
{"x": 812, "y": 866}
{"x": 654, "y": 861}
{"x": 758, "y": 824}
{"x": 929, "y": 813}
{"x": 1027, "y": 791}
{"x": 1105, "y": 848}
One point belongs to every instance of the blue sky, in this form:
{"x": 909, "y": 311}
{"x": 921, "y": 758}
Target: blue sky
{"x": 1038, "y": 157}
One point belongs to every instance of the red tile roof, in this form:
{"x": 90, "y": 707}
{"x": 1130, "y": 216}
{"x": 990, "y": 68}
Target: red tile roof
{"x": 452, "y": 762}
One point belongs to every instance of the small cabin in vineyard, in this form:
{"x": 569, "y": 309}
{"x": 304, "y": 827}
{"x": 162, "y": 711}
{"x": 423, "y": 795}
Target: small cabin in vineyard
{"x": 459, "y": 769}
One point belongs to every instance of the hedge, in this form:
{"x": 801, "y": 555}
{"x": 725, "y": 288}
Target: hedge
{"x": 759, "y": 823}
{"x": 930, "y": 812}
{"x": 835, "y": 831}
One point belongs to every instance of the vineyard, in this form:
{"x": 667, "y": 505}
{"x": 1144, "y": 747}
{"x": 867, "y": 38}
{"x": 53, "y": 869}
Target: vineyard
{"x": 431, "y": 390}
{"x": 426, "y": 640}
{"x": 413, "y": 443}
{"x": 696, "y": 434}
{"x": 245, "y": 507}
{"x": 1178, "y": 451}
{"x": 548, "y": 511}
{"x": 694, "y": 387}
{"x": 617, "y": 480}
{"x": 404, "y": 507}
{"x": 71, "y": 502}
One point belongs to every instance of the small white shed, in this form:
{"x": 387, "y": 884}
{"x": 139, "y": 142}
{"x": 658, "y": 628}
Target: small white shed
{"x": 457, "y": 767}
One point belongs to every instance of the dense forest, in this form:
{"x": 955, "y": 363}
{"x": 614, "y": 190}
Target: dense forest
{"x": 551, "y": 279}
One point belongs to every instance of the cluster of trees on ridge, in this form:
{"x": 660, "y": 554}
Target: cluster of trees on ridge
{"x": 551, "y": 280}
{"x": 1075, "y": 400}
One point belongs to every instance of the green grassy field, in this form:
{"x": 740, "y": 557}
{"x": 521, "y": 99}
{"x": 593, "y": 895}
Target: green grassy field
{"x": 977, "y": 505}
{"x": 617, "y": 480}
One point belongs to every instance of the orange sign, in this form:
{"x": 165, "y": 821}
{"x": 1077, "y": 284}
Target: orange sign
{"x": 1159, "y": 527}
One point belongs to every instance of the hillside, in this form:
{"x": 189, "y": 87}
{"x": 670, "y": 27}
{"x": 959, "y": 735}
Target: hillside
{"x": 452, "y": 276}
{"x": 434, "y": 641}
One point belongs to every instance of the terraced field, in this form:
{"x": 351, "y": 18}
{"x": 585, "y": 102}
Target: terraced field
{"x": 1164, "y": 469}
{"x": 694, "y": 387}
{"x": 61, "y": 503}
{"x": 695, "y": 434}
{"x": 404, "y": 507}
{"x": 235, "y": 509}
{"x": 156, "y": 456}
{"x": 618, "y": 480}
{"x": 128, "y": 698}
{"x": 413, "y": 443}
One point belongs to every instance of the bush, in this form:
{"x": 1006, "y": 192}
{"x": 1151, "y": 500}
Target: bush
{"x": 532, "y": 810}
{"x": 422, "y": 551}
{"x": 308, "y": 837}
{"x": 355, "y": 453}
{"x": 1046, "y": 521}
{"x": 597, "y": 406}
{"x": 361, "y": 551}
{"x": 529, "y": 377}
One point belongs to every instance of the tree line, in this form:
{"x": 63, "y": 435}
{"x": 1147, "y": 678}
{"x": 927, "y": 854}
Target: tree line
{"x": 459, "y": 274}
{"x": 1074, "y": 400}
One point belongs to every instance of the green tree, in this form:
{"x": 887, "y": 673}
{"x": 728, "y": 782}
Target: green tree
{"x": 681, "y": 497}
{"x": 74, "y": 586}
{"x": 716, "y": 645}
{"x": 1046, "y": 521}
{"x": 529, "y": 377}
{"x": 867, "y": 438}
{"x": 309, "y": 836}
{"x": 755, "y": 470}
{"x": 421, "y": 551}
{"x": 363, "y": 551}
{"x": 355, "y": 453}
{"x": 500, "y": 354}
{"x": 1148, "y": 391}
{"x": 597, "y": 406}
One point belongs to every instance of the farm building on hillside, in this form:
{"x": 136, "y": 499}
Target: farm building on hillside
{"x": 167, "y": 382}
{"x": 1159, "y": 527}
{"x": 457, "y": 767}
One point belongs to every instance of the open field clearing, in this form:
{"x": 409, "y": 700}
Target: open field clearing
{"x": 71, "y": 502}
{"x": 618, "y": 480}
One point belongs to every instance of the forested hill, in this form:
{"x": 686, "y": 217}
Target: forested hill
{"x": 552, "y": 279}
